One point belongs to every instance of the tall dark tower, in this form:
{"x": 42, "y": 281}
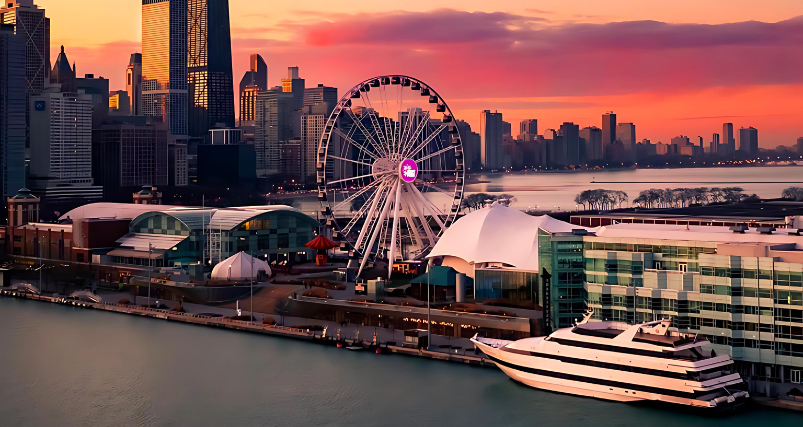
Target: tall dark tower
{"x": 209, "y": 69}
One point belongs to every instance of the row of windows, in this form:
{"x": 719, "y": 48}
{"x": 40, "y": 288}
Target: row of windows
{"x": 782, "y": 278}
{"x": 614, "y": 265}
{"x": 665, "y": 250}
{"x": 612, "y": 279}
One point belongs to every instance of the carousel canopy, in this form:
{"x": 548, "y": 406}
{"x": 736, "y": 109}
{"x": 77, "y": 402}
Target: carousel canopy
{"x": 321, "y": 243}
{"x": 239, "y": 267}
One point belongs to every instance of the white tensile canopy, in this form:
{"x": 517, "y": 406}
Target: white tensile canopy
{"x": 238, "y": 267}
{"x": 498, "y": 234}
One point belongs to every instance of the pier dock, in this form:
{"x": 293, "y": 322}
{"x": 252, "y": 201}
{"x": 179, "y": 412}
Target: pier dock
{"x": 318, "y": 337}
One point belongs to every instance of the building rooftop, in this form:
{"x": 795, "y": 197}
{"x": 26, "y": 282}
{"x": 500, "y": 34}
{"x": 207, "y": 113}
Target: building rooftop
{"x": 697, "y": 233}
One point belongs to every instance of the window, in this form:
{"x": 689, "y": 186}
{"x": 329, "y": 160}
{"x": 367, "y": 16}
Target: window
{"x": 794, "y": 376}
{"x": 682, "y": 266}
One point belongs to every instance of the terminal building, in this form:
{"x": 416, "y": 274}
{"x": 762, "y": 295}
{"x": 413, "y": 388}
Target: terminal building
{"x": 740, "y": 287}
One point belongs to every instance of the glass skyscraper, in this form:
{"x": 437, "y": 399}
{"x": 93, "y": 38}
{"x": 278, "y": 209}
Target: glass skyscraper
{"x": 210, "y": 80}
{"x": 12, "y": 110}
{"x": 164, "y": 63}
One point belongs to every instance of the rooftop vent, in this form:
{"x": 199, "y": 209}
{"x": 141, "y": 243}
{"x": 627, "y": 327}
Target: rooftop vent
{"x": 765, "y": 230}
{"x": 580, "y": 232}
{"x": 739, "y": 229}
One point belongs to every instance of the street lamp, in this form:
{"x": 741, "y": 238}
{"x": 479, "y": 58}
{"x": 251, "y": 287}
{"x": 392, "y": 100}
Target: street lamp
{"x": 150, "y": 251}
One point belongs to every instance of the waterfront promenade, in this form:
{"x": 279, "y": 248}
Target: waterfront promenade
{"x": 450, "y": 349}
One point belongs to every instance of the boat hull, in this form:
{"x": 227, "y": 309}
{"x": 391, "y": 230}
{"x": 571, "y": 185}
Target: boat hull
{"x": 581, "y": 388}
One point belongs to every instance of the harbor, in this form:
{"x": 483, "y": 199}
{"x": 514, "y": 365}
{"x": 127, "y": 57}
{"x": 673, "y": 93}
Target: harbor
{"x": 81, "y": 366}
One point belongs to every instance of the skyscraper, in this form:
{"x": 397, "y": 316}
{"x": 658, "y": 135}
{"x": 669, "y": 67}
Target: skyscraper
{"x": 714, "y": 143}
{"x": 254, "y": 81}
{"x": 274, "y": 113}
{"x": 748, "y": 140}
{"x": 727, "y": 137}
{"x": 61, "y": 138}
{"x": 210, "y": 81}
{"x": 31, "y": 23}
{"x": 471, "y": 145}
{"x": 608, "y": 128}
{"x": 571, "y": 143}
{"x": 528, "y": 130}
{"x": 800, "y": 146}
{"x": 133, "y": 83}
{"x": 63, "y": 73}
{"x": 319, "y": 95}
{"x": 626, "y": 132}
{"x": 295, "y": 85}
{"x": 12, "y": 110}
{"x": 313, "y": 121}
{"x": 257, "y": 75}
{"x": 491, "y": 131}
{"x": 164, "y": 63}
{"x": 591, "y": 138}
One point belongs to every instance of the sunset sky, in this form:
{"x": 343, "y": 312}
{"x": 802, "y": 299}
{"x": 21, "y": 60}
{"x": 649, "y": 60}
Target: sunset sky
{"x": 671, "y": 67}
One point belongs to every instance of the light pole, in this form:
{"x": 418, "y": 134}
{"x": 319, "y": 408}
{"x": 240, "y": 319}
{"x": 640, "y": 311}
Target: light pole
{"x": 150, "y": 250}
{"x": 429, "y": 314}
{"x": 252, "y": 287}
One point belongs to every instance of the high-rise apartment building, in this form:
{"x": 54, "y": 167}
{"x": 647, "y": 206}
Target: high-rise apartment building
{"x": 61, "y": 138}
{"x": 491, "y": 131}
{"x": 30, "y": 22}
{"x": 748, "y": 140}
{"x": 528, "y": 130}
{"x": 295, "y": 85}
{"x": 133, "y": 83}
{"x": 591, "y": 139}
{"x": 164, "y": 63}
{"x": 210, "y": 82}
{"x": 273, "y": 126}
{"x": 254, "y": 81}
{"x": 727, "y": 137}
{"x": 12, "y": 110}
{"x": 608, "y": 128}
{"x": 98, "y": 89}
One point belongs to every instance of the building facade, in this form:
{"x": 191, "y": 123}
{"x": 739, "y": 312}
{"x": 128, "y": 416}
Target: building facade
{"x": 31, "y": 23}
{"x": 127, "y": 155}
{"x": 491, "y": 131}
{"x": 61, "y": 137}
{"x": 133, "y": 83}
{"x": 608, "y": 128}
{"x": 164, "y": 63}
{"x": 727, "y": 137}
{"x": 273, "y": 125}
{"x": 313, "y": 122}
{"x": 210, "y": 82}
{"x": 748, "y": 140}
{"x": 295, "y": 85}
{"x": 12, "y": 110}
{"x": 253, "y": 81}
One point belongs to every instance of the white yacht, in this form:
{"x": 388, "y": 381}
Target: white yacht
{"x": 626, "y": 363}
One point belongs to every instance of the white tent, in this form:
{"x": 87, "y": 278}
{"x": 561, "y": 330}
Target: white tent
{"x": 498, "y": 234}
{"x": 239, "y": 267}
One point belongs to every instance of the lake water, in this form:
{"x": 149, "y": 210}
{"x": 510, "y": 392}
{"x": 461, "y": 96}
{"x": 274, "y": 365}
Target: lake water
{"x": 65, "y": 366}
{"x": 551, "y": 191}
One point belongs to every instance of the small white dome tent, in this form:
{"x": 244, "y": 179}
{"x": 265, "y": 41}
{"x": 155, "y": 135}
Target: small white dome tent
{"x": 238, "y": 268}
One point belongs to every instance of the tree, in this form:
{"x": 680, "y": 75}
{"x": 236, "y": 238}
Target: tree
{"x": 793, "y": 193}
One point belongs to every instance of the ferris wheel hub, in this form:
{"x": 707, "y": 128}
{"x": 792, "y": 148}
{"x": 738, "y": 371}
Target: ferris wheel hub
{"x": 408, "y": 170}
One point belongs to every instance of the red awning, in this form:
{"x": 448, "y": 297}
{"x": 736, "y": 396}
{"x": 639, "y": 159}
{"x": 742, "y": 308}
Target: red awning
{"x": 321, "y": 243}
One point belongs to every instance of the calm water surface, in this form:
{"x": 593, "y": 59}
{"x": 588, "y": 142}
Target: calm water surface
{"x": 556, "y": 190}
{"x": 63, "y": 366}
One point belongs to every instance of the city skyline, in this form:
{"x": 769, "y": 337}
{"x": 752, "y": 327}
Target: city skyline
{"x": 671, "y": 88}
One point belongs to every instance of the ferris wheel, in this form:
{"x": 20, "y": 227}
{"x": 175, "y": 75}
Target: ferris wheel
{"x": 390, "y": 169}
